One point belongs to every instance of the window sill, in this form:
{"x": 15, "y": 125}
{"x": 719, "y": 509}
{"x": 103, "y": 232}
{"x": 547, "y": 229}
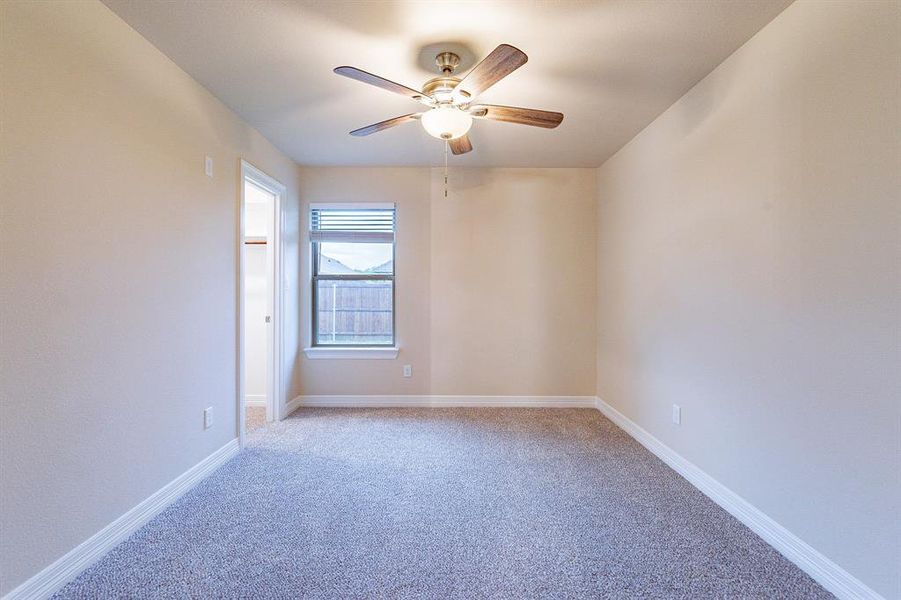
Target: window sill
{"x": 318, "y": 352}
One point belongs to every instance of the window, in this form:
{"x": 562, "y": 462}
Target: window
{"x": 353, "y": 275}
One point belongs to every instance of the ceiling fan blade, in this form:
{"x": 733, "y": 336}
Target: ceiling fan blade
{"x": 385, "y": 84}
{"x": 502, "y": 61}
{"x": 460, "y": 145}
{"x": 381, "y": 125}
{"x": 513, "y": 114}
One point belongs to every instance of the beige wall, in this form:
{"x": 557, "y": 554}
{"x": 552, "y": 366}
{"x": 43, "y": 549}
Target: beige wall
{"x": 118, "y": 274}
{"x": 408, "y": 188}
{"x": 495, "y": 284}
{"x": 513, "y": 282}
{"x": 749, "y": 271}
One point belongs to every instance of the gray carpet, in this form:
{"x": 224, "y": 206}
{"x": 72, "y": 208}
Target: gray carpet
{"x": 443, "y": 503}
{"x": 254, "y": 418}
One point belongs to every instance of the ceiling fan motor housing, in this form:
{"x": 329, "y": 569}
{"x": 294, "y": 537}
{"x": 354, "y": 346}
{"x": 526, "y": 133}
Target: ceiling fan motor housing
{"x": 441, "y": 87}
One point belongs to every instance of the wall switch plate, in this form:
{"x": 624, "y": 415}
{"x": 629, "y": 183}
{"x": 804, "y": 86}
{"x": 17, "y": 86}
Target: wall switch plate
{"x": 208, "y": 418}
{"x": 408, "y": 370}
{"x": 208, "y": 166}
{"x": 677, "y": 414}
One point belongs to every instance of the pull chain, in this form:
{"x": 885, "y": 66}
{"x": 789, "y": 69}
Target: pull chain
{"x": 446, "y": 144}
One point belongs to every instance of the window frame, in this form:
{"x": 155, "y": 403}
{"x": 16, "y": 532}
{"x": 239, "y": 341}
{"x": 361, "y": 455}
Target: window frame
{"x": 317, "y": 277}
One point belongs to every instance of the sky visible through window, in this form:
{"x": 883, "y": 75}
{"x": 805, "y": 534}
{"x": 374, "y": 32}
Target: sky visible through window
{"x": 359, "y": 257}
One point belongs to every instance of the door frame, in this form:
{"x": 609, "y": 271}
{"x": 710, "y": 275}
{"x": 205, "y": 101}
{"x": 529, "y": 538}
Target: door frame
{"x": 274, "y": 400}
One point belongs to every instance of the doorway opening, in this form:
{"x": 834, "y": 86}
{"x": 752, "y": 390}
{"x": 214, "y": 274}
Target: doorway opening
{"x": 260, "y": 285}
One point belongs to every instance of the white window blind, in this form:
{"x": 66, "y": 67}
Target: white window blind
{"x": 352, "y": 224}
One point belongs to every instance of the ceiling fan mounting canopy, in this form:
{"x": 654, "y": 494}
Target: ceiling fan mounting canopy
{"x": 449, "y": 98}
{"x": 447, "y": 62}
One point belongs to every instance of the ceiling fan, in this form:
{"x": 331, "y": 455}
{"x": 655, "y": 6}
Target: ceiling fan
{"x": 450, "y": 99}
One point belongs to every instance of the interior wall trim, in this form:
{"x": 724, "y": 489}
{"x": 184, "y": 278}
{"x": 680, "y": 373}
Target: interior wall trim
{"x": 255, "y": 400}
{"x": 399, "y": 401}
{"x": 826, "y": 572}
{"x": 65, "y": 569}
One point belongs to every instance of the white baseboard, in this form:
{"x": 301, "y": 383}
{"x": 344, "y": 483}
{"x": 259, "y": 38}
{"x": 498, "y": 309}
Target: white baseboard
{"x": 53, "y": 578}
{"x": 831, "y": 576}
{"x": 442, "y": 401}
{"x": 291, "y": 406}
{"x": 255, "y": 400}
{"x": 828, "y": 574}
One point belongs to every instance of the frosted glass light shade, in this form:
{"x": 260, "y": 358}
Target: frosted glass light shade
{"x": 446, "y": 122}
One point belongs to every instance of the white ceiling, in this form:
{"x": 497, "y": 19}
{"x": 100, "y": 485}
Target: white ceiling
{"x": 611, "y": 66}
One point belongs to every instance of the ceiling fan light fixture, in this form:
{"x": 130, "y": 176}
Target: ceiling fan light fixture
{"x": 446, "y": 122}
